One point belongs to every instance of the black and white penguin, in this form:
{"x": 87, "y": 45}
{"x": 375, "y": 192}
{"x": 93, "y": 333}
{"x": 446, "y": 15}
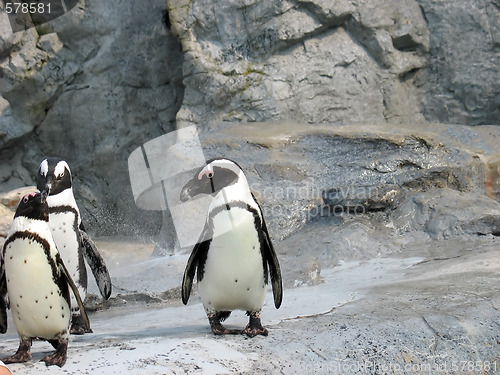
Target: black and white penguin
{"x": 33, "y": 276}
{"x": 73, "y": 243}
{"x": 234, "y": 253}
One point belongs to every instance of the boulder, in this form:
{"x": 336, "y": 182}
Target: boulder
{"x": 8, "y": 205}
{"x": 303, "y": 172}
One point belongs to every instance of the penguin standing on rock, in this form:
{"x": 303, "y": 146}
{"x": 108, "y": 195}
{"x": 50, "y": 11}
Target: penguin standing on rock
{"x": 36, "y": 282}
{"x": 73, "y": 243}
{"x": 234, "y": 254}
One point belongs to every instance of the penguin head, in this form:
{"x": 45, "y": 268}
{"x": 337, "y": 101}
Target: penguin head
{"x": 54, "y": 176}
{"x": 33, "y": 206}
{"x": 217, "y": 174}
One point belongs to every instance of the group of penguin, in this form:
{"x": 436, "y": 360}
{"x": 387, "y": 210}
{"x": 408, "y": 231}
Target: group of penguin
{"x": 43, "y": 277}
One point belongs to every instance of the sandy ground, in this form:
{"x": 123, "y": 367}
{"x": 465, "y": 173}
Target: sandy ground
{"x": 397, "y": 315}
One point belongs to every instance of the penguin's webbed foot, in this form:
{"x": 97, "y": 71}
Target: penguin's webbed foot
{"x": 23, "y": 353}
{"x": 58, "y": 358}
{"x": 78, "y": 326}
{"x": 254, "y": 326}
{"x": 216, "y": 325}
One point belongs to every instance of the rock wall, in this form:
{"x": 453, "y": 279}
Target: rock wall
{"x": 463, "y": 62}
{"x": 89, "y": 87}
{"x": 345, "y": 61}
{"x": 310, "y": 61}
{"x": 95, "y": 84}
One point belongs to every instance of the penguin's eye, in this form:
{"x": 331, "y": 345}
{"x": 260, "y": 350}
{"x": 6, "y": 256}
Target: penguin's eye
{"x": 25, "y": 200}
{"x": 60, "y": 175}
{"x": 210, "y": 174}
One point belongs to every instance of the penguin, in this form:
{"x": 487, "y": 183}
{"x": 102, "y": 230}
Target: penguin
{"x": 36, "y": 284}
{"x": 74, "y": 244}
{"x": 234, "y": 255}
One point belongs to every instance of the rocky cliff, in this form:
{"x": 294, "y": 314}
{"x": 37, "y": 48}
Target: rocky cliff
{"x": 344, "y": 61}
{"x": 96, "y": 83}
{"x": 89, "y": 87}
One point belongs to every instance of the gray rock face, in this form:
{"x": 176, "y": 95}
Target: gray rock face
{"x": 463, "y": 63}
{"x": 310, "y": 61}
{"x": 317, "y": 61}
{"x": 89, "y": 87}
{"x": 95, "y": 84}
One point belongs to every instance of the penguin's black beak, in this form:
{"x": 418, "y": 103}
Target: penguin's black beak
{"x": 48, "y": 186}
{"x": 43, "y": 196}
{"x": 196, "y": 186}
{"x": 45, "y": 191}
{"x": 45, "y": 184}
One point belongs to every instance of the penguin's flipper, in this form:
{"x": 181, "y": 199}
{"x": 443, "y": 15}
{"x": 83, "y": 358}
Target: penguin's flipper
{"x": 274, "y": 266}
{"x": 97, "y": 264}
{"x": 196, "y": 260}
{"x": 3, "y": 299}
{"x": 65, "y": 275}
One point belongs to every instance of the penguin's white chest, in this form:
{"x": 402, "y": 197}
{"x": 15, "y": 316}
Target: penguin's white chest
{"x": 233, "y": 276}
{"x": 62, "y": 226}
{"x": 38, "y": 308}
